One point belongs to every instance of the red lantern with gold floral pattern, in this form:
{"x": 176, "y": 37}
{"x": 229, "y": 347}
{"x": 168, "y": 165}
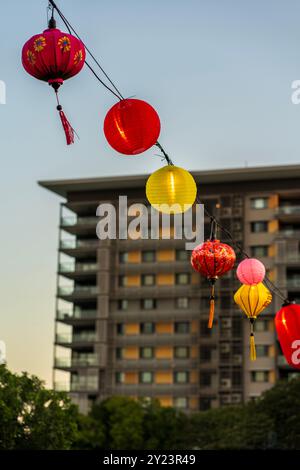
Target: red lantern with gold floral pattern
{"x": 212, "y": 259}
{"x": 54, "y": 56}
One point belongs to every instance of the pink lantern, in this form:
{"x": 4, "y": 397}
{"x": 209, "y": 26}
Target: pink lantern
{"x": 251, "y": 271}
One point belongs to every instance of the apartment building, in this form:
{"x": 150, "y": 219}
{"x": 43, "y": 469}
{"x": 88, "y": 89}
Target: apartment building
{"x": 131, "y": 315}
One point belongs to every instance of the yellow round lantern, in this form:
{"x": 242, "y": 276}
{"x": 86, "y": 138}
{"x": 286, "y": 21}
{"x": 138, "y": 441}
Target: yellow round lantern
{"x": 171, "y": 190}
{"x": 252, "y": 299}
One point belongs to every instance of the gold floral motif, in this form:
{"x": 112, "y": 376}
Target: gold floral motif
{"x": 39, "y": 43}
{"x": 31, "y": 57}
{"x": 78, "y": 57}
{"x": 64, "y": 43}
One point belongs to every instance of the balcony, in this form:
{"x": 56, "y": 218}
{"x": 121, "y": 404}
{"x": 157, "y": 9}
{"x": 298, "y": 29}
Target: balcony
{"x": 293, "y": 283}
{"x": 152, "y": 390}
{"x": 281, "y": 361}
{"x": 79, "y": 225}
{"x": 69, "y": 338}
{"x": 288, "y": 234}
{"x": 72, "y": 244}
{"x": 90, "y": 384}
{"x": 157, "y": 339}
{"x": 149, "y": 364}
{"x": 77, "y": 314}
{"x": 77, "y": 291}
{"x": 289, "y": 213}
{"x": 78, "y": 270}
{"x": 90, "y": 360}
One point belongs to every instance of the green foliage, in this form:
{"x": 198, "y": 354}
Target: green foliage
{"x": 32, "y": 417}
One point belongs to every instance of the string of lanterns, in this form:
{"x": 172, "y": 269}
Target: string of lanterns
{"x": 131, "y": 127}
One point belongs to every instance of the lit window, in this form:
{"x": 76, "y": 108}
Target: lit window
{"x": 260, "y": 376}
{"x": 180, "y": 402}
{"x": 182, "y": 278}
{"x": 181, "y": 352}
{"x": 259, "y": 251}
{"x": 259, "y": 203}
{"x": 123, "y": 304}
{"x": 123, "y": 257}
{"x": 120, "y": 377}
{"x": 182, "y": 255}
{"x": 146, "y": 353}
{"x": 182, "y": 302}
{"x": 259, "y": 227}
{"x": 181, "y": 377}
{"x": 261, "y": 325}
{"x": 148, "y": 304}
{"x": 148, "y": 280}
{"x": 146, "y": 377}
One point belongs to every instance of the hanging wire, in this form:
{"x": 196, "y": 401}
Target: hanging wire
{"x": 115, "y": 91}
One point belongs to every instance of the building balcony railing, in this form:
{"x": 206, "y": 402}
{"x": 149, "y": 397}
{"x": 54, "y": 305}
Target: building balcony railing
{"x": 155, "y": 363}
{"x": 79, "y": 314}
{"x": 68, "y": 362}
{"x": 293, "y": 283}
{"x": 70, "y": 267}
{"x": 153, "y": 389}
{"x": 78, "y": 290}
{"x": 288, "y": 210}
{"x": 281, "y": 361}
{"x": 91, "y": 385}
{"x": 288, "y": 234}
{"x": 73, "y": 220}
{"x": 72, "y": 243}
{"x": 68, "y": 338}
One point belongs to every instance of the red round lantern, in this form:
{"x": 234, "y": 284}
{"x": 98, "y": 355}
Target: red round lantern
{"x": 287, "y": 323}
{"x": 54, "y": 56}
{"x": 131, "y": 126}
{"x": 212, "y": 259}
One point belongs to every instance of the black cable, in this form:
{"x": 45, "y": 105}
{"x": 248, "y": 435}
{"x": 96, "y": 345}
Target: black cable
{"x": 118, "y": 94}
{"x": 70, "y": 30}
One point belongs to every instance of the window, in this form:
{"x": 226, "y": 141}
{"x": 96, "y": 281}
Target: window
{"x": 147, "y": 328}
{"x": 182, "y": 302}
{"x": 148, "y": 280}
{"x": 182, "y": 327}
{"x": 182, "y": 255}
{"x": 146, "y": 353}
{"x": 262, "y": 350}
{"x": 120, "y": 328}
{"x": 205, "y": 379}
{"x": 259, "y": 227}
{"x": 204, "y": 331}
{"x": 237, "y": 327}
{"x": 181, "y": 352}
{"x": 261, "y": 325}
{"x": 122, "y": 281}
{"x": 259, "y": 251}
{"x": 205, "y": 353}
{"x": 205, "y": 404}
{"x": 123, "y": 304}
{"x": 180, "y": 402}
{"x": 120, "y": 377}
{"x": 119, "y": 353}
{"x": 146, "y": 377}
{"x": 259, "y": 203}
{"x": 123, "y": 257}
{"x": 148, "y": 256}
{"x": 236, "y": 378}
{"x": 182, "y": 278}
{"x": 260, "y": 376}
{"x": 148, "y": 304}
{"x": 181, "y": 377}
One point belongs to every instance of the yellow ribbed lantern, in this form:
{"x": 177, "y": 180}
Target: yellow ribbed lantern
{"x": 252, "y": 299}
{"x": 171, "y": 190}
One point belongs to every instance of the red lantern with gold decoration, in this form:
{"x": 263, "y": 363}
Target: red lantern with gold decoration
{"x": 54, "y": 56}
{"x": 212, "y": 259}
{"x": 287, "y": 323}
{"x": 131, "y": 126}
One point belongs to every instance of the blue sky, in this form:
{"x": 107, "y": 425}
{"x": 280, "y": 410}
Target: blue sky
{"x": 219, "y": 74}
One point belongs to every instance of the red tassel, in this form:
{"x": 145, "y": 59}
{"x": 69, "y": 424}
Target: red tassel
{"x": 69, "y": 131}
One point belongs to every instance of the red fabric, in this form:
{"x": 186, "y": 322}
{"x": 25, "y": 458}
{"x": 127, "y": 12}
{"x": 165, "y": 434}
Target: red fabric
{"x": 287, "y": 323}
{"x": 213, "y": 258}
{"x": 53, "y": 56}
{"x": 131, "y": 126}
{"x": 69, "y": 131}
